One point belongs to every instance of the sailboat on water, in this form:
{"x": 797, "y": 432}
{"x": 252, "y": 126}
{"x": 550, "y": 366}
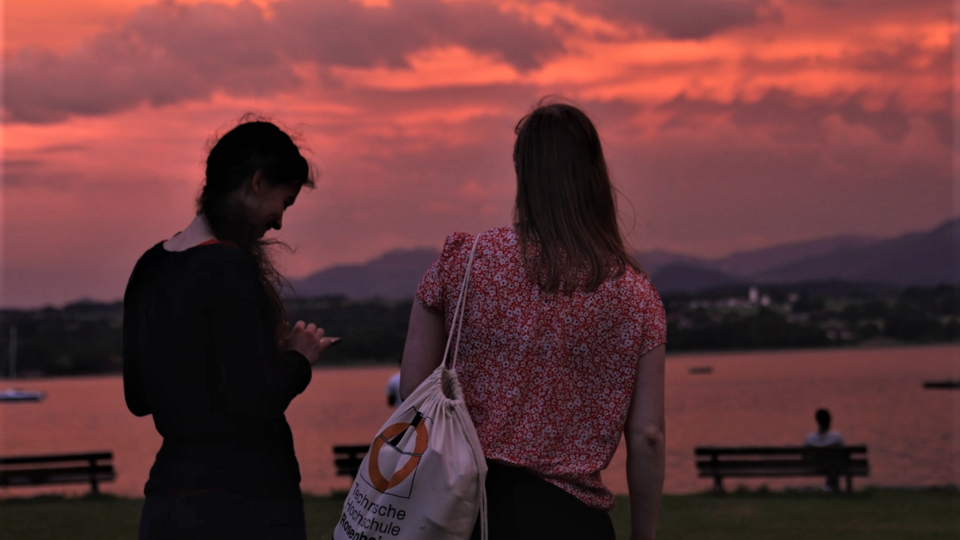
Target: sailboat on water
{"x": 16, "y": 394}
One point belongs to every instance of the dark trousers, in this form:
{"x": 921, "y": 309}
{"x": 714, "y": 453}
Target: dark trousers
{"x": 221, "y": 515}
{"x": 521, "y": 505}
{"x": 833, "y": 482}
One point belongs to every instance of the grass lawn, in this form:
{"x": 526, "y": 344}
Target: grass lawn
{"x": 871, "y": 514}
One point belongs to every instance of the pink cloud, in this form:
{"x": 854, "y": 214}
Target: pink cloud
{"x": 831, "y": 117}
{"x": 170, "y": 52}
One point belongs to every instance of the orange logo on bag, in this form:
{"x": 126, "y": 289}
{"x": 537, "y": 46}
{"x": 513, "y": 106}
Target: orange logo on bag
{"x": 392, "y": 436}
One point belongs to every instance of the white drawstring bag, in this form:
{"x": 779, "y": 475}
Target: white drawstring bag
{"x": 423, "y": 477}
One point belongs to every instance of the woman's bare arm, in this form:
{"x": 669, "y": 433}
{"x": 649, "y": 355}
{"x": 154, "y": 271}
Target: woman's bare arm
{"x": 646, "y": 442}
{"x": 423, "y": 352}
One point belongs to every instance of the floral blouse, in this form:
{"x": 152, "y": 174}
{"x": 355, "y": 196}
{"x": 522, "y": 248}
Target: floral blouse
{"x": 547, "y": 378}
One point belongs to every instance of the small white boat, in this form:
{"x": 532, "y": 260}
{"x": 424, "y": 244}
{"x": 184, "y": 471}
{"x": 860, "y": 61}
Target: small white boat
{"x": 16, "y": 394}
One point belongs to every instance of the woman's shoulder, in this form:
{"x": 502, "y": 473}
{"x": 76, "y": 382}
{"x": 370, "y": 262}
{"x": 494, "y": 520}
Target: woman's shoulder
{"x": 216, "y": 257}
{"x": 456, "y": 240}
{"x": 150, "y": 259}
{"x": 460, "y": 241}
{"x": 224, "y": 258}
{"x": 637, "y": 285}
{"x": 501, "y": 235}
{"x": 155, "y": 253}
{"x": 204, "y": 274}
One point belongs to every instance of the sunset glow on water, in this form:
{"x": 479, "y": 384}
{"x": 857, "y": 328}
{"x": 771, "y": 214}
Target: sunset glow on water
{"x": 763, "y": 399}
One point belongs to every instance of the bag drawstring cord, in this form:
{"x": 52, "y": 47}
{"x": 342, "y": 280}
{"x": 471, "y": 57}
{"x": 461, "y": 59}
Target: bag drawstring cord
{"x": 458, "y": 316}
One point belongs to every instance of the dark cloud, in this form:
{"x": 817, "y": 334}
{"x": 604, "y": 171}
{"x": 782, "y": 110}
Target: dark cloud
{"x": 25, "y": 170}
{"x": 868, "y": 7}
{"x": 686, "y": 19}
{"x": 170, "y": 52}
{"x": 18, "y": 172}
{"x": 347, "y": 33}
{"x": 907, "y": 59}
{"x": 790, "y": 116}
{"x": 165, "y": 54}
{"x": 61, "y": 149}
{"x": 942, "y": 122}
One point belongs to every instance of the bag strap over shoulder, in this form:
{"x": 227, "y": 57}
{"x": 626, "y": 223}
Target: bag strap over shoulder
{"x": 461, "y": 307}
{"x": 456, "y": 327}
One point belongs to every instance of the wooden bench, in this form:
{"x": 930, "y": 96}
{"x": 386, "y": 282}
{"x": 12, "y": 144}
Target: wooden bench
{"x": 753, "y": 462}
{"x": 347, "y": 459}
{"x": 57, "y": 469}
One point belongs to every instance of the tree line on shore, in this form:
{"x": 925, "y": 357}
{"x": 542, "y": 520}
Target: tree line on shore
{"x": 86, "y": 337}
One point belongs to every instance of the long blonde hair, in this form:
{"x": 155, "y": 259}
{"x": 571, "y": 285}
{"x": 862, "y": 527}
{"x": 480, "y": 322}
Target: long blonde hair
{"x": 565, "y": 213}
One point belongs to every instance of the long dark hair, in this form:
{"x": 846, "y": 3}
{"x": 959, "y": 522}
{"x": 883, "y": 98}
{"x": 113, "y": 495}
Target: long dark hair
{"x": 250, "y": 148}
{"x": 565, "y": 213}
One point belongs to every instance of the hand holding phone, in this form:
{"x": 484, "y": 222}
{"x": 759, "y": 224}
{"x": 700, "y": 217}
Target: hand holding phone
{"x": 309, "y": 340}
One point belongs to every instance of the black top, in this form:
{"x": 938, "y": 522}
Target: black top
{"x": 198, "y": 356}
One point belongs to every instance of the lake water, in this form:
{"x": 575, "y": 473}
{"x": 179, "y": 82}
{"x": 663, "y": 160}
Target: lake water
{"x": 875, "y": 395}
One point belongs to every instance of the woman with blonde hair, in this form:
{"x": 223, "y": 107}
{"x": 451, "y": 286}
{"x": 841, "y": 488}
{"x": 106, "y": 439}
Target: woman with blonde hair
{"x": 562, "y": 347}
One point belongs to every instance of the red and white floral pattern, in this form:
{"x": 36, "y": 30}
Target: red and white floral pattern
{"x": 547, "y": 377}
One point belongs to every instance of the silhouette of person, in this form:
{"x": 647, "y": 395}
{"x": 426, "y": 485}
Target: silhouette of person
{"x": 227, "y": 467}
{"x": 824, "y": 437}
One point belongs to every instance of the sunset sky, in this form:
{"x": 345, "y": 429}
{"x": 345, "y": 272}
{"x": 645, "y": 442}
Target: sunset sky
{"x": 727, "y": 124}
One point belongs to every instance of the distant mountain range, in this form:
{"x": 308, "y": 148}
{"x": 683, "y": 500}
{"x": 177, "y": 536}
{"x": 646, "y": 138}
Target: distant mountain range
{"x": 917, "y": 259}
{"x": 393, "y": 275}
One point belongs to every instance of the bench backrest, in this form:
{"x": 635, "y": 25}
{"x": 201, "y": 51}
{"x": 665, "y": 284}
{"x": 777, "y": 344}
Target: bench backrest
{"x": 751, "y": 457}
{"x": 56, "y": 458}
{"x": 759, "y": 451}
{"x": 91, "y": 468}
{"x": 348, "y": 459}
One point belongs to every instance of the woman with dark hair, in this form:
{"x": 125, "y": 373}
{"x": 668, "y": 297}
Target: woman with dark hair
{"x": 562, "y": 347}
{"x": 205, "y": 351}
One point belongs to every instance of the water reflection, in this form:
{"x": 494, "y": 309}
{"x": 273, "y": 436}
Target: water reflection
{"x": 875, "y": 396}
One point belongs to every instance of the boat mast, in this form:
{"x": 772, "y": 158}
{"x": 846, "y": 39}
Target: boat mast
{"x": 13, "y": 352}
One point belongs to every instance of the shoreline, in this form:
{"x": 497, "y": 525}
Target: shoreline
{"x": 680, "y": 355}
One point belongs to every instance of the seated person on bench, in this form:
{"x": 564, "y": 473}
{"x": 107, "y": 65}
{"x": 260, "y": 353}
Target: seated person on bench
{"x": 824, "y": 437}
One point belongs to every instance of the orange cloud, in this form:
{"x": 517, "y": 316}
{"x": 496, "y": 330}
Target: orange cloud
{"x": 451, "y": 66}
